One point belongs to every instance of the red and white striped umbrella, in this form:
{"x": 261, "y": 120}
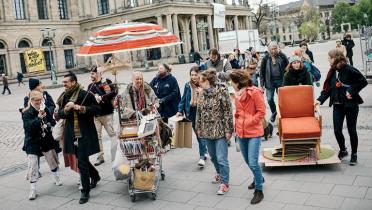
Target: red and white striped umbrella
{"x": 127, "y": 37}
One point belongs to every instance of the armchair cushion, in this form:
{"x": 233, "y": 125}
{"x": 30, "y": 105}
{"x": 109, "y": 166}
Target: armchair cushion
{"x": 301, "y": 127}
{"x": 296, "y": 101}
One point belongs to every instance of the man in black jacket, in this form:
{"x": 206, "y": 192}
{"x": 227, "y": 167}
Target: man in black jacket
{"x": 349, "y": 44}
{"x": 104, "y": 92}
{"x": 271, "y": 74}
{"x": 78, "y": 108}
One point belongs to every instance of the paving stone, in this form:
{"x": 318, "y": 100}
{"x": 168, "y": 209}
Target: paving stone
{"x": 363, "y": 181}
{"x": 233, "y": 203}
{"x": 150, "y": 204}
{"x": 178, "y": 206}
{"x": 298, "y": 207}
{"x": 123, "y": 201}
{"x": 352, "y": 203}
{"x": 324, "y": 201}
{"x": 49, "y": 201}
{"x": 291, "y": 197}
{"x": 339, "y": 179}
{"x": 286, "y": 185}
{"x": 349, "y": 191}
{"x": 206, "y": 200}
{"x": 264, "y": 205}
{"x": 369, "y": 193}
{"x": 179, "y": 196}
{"x": 114, "y": 187}
{"x": 105, "y": 197}
{"x": 320, "y": 188}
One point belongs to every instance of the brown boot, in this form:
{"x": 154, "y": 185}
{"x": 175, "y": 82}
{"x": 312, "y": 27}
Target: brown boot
{"x": 258, "y": 196}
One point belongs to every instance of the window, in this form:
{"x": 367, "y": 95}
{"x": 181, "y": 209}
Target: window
{"x": 103, "y": 7}
{"x": 62, "y": 7}
{"x": 132, "y": 3}
{"x": 290, "y": 37}
{"x": 2, "y": 46}
{"x": 2, "y": 64}
{"x": 48, "y": 62}
{"x": 42, "y": 9}
{"x": 106, "y": 57}
{"x": 284, "y": 38}
{"x": 23, "y": 63}
{"x": 19, "y": 9}
{"x": 69, "y": 59}
{"x": 283, "y": 28}
{"x": 67, "y": 41}
{"x": 24, "y": 44}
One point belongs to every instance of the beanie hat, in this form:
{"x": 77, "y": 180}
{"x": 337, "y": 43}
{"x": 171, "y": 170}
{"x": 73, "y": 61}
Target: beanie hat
{"x": 33, "y": 83}
{"x": 294, "y": 58}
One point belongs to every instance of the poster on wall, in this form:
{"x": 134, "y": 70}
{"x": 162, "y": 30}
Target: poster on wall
{"x": 219, "y": 16}
{"x": 34, "y": 59}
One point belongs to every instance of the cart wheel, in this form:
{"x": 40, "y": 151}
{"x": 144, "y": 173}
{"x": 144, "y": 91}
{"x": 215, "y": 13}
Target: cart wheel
{"x": 133, "y": 198}
{"x": 154, "y": 196}
{"x": 162, "y": 177}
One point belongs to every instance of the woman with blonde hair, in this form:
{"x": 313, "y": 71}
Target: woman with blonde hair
{"x": 37, "y": 123}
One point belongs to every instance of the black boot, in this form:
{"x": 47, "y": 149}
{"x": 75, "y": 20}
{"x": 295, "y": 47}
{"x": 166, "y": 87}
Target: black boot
{"x": 353, "y": 159}
{"x": 258, "y": 196}
{"x": 252, "y": 186}
{"x": 84, "y": 197}
{"x": 342, "y": 154}
{"x": 94, "y": 182}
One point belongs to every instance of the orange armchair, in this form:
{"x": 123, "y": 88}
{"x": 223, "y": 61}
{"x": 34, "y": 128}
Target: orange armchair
{"x": 300, "y": 122}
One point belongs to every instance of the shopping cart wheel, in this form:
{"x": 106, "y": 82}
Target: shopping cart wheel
{"x": 154, "y": 196}
{"x": 133, "y": 198}
{"x": 162, "y": 177}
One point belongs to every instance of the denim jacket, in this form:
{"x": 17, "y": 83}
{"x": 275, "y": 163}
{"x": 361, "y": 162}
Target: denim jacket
{"x": 184, "y": 105}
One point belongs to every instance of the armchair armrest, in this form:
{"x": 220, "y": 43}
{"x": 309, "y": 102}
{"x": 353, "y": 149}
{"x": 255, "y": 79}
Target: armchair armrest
{"x": 318, "y": 115}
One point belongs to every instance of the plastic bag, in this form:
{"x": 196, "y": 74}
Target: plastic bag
{"x": 120, "y": 166}
{"x": 57, "y": 131}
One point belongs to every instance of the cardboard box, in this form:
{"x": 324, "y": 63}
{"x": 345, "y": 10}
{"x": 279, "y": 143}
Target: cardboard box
{"x": 182, "y": 131}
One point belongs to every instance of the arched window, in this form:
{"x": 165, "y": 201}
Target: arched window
{"x": 67, "y": 41}
{"x": 24, "y": 44}
{"x": 2, "y": 58}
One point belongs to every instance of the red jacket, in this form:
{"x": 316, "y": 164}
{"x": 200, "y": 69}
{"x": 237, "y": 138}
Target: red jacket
{"x": 250, "y": 110}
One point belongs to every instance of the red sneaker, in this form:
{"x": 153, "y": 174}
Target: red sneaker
{"x": 223, "y": 189}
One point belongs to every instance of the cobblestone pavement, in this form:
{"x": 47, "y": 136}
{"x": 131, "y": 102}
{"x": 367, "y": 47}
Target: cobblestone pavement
{"x": 186, "y": 186}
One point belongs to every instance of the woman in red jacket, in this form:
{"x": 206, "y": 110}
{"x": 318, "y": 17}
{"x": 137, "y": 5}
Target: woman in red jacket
{"x": 250, "y": 110}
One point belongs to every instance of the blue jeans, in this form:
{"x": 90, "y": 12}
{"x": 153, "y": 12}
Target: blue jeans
{"x": 250, "y": 148}
{"x": 217, "y": 149}
{"x": 202, "y": 143}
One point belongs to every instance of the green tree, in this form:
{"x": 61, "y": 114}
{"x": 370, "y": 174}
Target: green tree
{"x": 364, "y": 12}
{"x": 309, "y": 29}
{"x": 345, "y": 13}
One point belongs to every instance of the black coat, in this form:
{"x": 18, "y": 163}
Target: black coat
{"x": 35, "y": 143}
{"x": 167, "y": 90}
{"x": 88, "y": 144}
{"x": 349, "y": 76}
{"x": 293, "y": 77}
{"x": 349, "y": 44}
{"x": 107, "y": 91}
{"x": 310, "y": 54}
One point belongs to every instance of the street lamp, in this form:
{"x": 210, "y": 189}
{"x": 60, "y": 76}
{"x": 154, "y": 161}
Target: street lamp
{"x": 49, "y": 34}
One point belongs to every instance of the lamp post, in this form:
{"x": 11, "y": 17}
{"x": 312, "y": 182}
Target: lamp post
{"x": 49, "y": 34}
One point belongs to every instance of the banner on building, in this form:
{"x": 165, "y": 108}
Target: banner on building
{"x": 34, "y": 60}
{"x": 219, "y": 16}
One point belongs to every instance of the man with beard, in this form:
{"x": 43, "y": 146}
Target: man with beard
{"x": 271, "y": 74}
{"x": 222, "y": 66}
{"x": 78, "y": 108}
{"x": 104, "y": 93}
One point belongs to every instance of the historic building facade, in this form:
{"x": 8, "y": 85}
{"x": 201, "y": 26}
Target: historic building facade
{"x": 23, "y": 24}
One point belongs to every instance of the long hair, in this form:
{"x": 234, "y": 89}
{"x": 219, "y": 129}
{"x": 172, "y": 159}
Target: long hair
{"x": 339, "y": 62}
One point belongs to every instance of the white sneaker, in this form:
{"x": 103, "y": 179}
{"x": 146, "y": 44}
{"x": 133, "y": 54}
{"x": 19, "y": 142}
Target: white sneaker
{"x": 58, "y": 181}
{"x": 32, "y": 195}
{"x": 201, "y": 163}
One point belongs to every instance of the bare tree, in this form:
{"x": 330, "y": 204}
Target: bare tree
{"x": 261, "y": 12}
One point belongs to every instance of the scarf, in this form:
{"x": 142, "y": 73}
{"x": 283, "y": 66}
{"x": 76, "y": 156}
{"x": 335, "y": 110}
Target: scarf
{"x": 327, "y": 83}
{"x": 140, "y": 97}
{"x": 194, "y": 93}
{"x": 72, "y": 94}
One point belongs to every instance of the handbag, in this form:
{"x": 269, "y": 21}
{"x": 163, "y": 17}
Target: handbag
{"x": 57, "y": 131}
{"x": 143, "y": 180}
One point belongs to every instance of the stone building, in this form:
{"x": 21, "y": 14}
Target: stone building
{"x": 73, "y": 21}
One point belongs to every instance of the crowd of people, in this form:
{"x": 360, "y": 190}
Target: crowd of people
{"x": 79, "y": 115}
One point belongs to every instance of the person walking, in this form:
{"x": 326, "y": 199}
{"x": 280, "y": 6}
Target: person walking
{"x": 239, "y": 57}
{"x": 349, "y": 44}
{"x": 296, "y": 74}
{"x": 188, "y": 106}
{"x": 305, "y": 48}
{"x": 222, "y": 66}
{"x": 5, "y": 84}
{"x": 138, "y": 96}
{"x": 20, "y": 79}
{"x": 342, "y": 86}
{"x": 214, "y": 124}
{"x": 104, "y": 92}
{"x": 167, "y": 90}
{"x": 271, "y": 74}
{"x": 78, "y": 108}
{"x": 250, "y": 111}
{"x": 37, "y": 123}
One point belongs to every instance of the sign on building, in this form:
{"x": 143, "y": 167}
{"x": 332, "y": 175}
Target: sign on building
{"x": 34, "y": 59}
{"x": 219, "y": 16}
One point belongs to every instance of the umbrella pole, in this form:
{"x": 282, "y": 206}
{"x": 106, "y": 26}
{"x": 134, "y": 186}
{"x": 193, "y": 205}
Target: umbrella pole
{"x": 145, "y": 60}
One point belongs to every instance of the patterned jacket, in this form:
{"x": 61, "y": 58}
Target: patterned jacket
{"x": 214, "y": 116}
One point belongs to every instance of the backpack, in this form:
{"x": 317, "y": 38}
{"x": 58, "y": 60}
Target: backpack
{"x": 315, "y": 72}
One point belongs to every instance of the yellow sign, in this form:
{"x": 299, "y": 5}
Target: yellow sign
{"x": 34, "y": 59}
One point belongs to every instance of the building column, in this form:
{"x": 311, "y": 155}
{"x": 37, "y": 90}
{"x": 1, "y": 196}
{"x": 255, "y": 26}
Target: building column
{"x": 236, "y": 23}
{"x": 194, "y": 33}
{"x": 159, "y": 20}
{"x": 176, "y": 32}
{"x": 210, "y": 31}
{"x": 170, "y": 29}
{"x": 247, "y": 26}
{"x": 15, "y": 65}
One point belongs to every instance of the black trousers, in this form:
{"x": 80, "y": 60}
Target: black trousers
{"x": 6, "y": 87}
{"x": 87, "y": 170}
{"x": 350, "y": 112}
{"x": 350, "y": 60}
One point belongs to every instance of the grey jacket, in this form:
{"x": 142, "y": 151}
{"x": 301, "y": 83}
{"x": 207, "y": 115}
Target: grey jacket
{"x": 265, "y": 70}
